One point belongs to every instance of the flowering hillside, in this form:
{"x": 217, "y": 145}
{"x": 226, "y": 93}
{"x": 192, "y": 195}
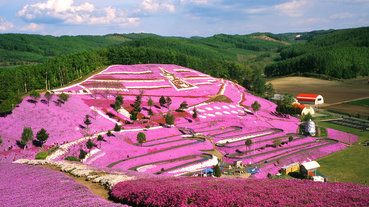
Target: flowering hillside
{"x": 216, "y": 116}
{"x": 25, "y": 185}
{"x": 196, "y": 191}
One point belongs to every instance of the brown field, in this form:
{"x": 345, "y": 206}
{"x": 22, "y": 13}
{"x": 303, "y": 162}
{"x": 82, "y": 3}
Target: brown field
{"x": 334, "y": 92}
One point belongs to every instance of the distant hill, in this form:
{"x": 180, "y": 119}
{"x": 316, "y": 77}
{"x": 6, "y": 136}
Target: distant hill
{"x": 21, "y": 49}
{"x": 332, "y": 53}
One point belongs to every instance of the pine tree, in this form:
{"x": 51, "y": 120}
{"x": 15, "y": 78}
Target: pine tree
{"x": 162, "y": 101}
{"x": 217, "y": 172}
{"x": 169, "y": 119}
{"x": 168, "y": 101}
{"x": 194, "y": 115}
{"x": 48, "y": 97}
{"x": 183, "y": 105}
{"x": 27, "y": 135}
{"x": 117, "y": 127}
{"x": 255, "y": 106}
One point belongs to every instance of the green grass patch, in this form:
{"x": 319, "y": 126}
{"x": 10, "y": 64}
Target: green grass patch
{"x": 41, "y": 155}
{"x": 362, "y": 102}
{"x": 349, "y": 165}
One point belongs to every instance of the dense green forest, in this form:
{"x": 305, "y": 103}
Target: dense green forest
{"x": 332, "y": 53}
{"x": 21, "y": 49}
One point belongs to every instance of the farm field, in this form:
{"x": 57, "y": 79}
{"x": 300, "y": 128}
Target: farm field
{"x": 332, "y": 91}
{"x": 362, "y": 102}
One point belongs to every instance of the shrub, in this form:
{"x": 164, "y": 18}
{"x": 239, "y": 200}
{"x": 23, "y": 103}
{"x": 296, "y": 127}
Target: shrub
{"x": 34, "y": 94}
{"x": 63, "y": 96}
{"x": 41, "y": 155}
{"x": 100, "y": 138}
{"x": 82, "y": 154}
{"x": 217, "y": 172}
{"x": 169, "y": 119}
{"x": 117, "y": 127}
{"x": 109, "y": 133}
{"x": 72, "y": 158}
{"x": 141, "y": 137}
{"x": 290, "y": 138}
{"x": 42, "y": 136}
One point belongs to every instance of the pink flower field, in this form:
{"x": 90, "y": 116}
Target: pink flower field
{"x": 224, "y": 122}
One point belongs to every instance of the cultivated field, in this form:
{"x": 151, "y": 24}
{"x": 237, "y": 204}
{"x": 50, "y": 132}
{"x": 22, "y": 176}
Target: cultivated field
{"x": 332, "y": 91}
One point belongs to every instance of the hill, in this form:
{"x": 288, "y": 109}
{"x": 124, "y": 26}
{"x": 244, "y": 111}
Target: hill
{"x": 176, "y": 142}
{"x": 333, "y": 53}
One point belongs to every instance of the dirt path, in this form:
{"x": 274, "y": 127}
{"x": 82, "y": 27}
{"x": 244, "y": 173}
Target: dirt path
{"x": 95, "y": 188}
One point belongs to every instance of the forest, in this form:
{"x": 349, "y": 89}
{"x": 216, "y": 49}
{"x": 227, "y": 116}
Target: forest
{"x": 35, "y": 62}
{"x": 339, "y": 54}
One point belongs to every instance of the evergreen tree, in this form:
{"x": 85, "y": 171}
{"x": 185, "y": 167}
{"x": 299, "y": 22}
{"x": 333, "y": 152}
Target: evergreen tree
{"x": 89, "y": 144}
{"x": 290, "y": 138}
{"x": 63, "y": 96}
{"x": 248, "y": 143}
{"x": 27, "y": 135}
{"x": 217, "y": 172}
{"x": 183, "y": 105}
{"x": 169, "y": 119}
{"x": 133, "y": 115}
{"x": 162, "y": 101}
{"x": 82, "y": 154}
{"x": 42, "y": 136}
{"x": 168, "y": 101}
{"x": 194, "y": 115}
{"x": 150, "y": 102}
{"x": 117, "y": 127}
{"x": 35, "y": 95}
{"x": 87, "y": 121}
{"x": 100, "y": 138}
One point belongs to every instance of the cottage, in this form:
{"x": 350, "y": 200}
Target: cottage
{"x": 294, "y": 167}
{"x": 305, "y": 109}
{"x": 309, "y": 168}
{"x": 311, "y": 99}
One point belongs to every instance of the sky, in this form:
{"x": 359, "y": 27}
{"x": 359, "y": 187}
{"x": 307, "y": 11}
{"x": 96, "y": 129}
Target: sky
{"x": 184, "y": 18}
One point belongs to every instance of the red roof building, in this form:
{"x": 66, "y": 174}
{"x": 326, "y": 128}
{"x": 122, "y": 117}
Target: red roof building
{"x": 305, "y": 109}
{"x": 313, "y": 99}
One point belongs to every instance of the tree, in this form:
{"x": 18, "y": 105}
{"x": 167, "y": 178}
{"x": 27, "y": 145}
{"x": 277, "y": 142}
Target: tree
{"x": 42, "y": 136}
{"x": 87, "y": 121}
{"x": 137, "y": 104}
{"x": 217, "y": 171}
{"x": 255, "y": 106}
{"x": 109, "y": 133}
{"x": 89, "y": 144}
{"x": 27, "y": 135}
{"x": 248, "y": 143}
{"x": 194, "y": 115}
{"x": 48, "y": 97}
{"x": 141, "y": 138}
{"x": 290, "y": 138}
{"x": 169, "y": 119}
{"x": 35, "y": 95}
{"x": 150, "y": 102}
{"x": 288, "y": 99}
{"x": 63, "y": 96}
{"x": 118, "y": 102}
{"x": 117, "y": 127}
{"x": 1, "y": 141}
{"x": 168, "y": 101}
{"x": 183, "y": 105}
{"x": 133, "y": 115}
{"x": 162, "y": 101}
{"x": 307, "y": 117}
{"x": 82, "y": 154}
{"x": 100, "y": 138}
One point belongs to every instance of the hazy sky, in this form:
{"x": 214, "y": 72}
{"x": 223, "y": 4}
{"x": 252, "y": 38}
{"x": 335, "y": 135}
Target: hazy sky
{"x": 179, "y": 17}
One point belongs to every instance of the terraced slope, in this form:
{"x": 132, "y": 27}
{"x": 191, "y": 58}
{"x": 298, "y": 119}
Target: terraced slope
{"x": 225, "y": 120}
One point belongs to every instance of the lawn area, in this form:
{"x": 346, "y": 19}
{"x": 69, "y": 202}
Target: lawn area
{"x": 362, "y": 102}
{"x": 350, "y": 164}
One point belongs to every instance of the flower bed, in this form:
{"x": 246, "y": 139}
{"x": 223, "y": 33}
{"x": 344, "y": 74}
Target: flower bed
{"x": 236, "y": 192}
{"x": 25, "y": 185}
{"x": 341, "y": 136}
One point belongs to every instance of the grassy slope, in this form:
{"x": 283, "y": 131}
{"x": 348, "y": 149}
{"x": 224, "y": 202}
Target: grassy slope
{"x": 350, "y": 164}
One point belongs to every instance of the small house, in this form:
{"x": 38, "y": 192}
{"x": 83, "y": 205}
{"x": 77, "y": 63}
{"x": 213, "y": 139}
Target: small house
{"x": 309, "y": 168}
{"x": 311, "y": 99}
{"x": 305, "y": 109}
{"x": 294, "y": 167}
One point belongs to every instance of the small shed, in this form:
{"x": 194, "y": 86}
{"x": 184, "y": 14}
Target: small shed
{"x": 293, "y": 167}
{"x": 312, "y": 99}
{"x": 309, "y": 168}
{"x": 305, "y": 109}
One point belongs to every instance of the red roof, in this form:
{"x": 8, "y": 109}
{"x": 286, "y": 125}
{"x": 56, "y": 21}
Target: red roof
{"x": 307, "y": 97}
{"x": 299, "y": 106}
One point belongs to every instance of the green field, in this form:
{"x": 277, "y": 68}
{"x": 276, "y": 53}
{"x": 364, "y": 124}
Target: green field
{"x": 350, "y": 165}
{"x": 362, "y": 102}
